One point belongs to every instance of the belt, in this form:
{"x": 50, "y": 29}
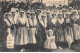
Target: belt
{"x": 32, "y": 27}
{"x": 27, "y": 27}
{"x": 9, "y": 26}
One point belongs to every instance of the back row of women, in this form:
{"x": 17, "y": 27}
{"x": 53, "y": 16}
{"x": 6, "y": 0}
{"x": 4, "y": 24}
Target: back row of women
{"x": 42, "y": 27}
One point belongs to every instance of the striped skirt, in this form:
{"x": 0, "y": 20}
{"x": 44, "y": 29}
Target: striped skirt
{"x": 68, "y": 34}
{"x": 32, "y": 33}
{"x": 76, "y": 29}
{"x": 21, "y": 37}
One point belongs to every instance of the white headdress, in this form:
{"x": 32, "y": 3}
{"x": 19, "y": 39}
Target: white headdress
{"x": 6, "y": 14}
{"x": 13, "y": 9}
{"x": 32, "y": 11}
{"x": 28, "y": 12}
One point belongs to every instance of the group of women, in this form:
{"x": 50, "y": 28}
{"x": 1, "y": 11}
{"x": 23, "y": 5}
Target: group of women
{"x": 46, "y": 28}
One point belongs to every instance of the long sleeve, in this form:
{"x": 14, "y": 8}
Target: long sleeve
{"x": 45, "y": 23}
{"x": 54, "y": 21}
{"x": 41, "y": 21}
{"x": 16, "y": 19}
{"x": 27, "y": 23}
{"x": 61, "y": 21}
{"x": 35, "y": 22}
{"x": 7, "y": 22}
{"x": 30, "y": 22}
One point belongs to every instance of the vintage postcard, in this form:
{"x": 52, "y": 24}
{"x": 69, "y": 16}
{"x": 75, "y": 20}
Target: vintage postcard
{"x": 39, "y": 25}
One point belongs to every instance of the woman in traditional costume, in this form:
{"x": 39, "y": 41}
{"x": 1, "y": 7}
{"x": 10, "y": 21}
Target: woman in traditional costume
{"x": 74, "y": 17}
{"x": 59, "y": 30}
{"x": 22, "y": 33}
{"x": 42, "y": 26}
{"x": 68, "y": 32}
{"x": 27, "y": 25}
{"x": 32, "y": 28}
{"x": 10, "y": 38}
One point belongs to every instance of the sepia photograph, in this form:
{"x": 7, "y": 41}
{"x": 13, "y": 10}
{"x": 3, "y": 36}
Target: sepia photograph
{"x": 39, "y": 25}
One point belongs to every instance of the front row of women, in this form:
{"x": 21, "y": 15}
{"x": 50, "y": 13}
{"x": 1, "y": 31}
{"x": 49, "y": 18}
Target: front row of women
{"x": 25, "y": 27}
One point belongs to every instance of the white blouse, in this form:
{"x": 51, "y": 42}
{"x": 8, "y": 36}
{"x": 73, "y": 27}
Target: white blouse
{"x": 43, "y": 22}
{"x": 61, "y": 20}
{"x": 33, "y": 22}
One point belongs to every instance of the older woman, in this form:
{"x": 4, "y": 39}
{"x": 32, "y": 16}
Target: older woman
{"x": 32, "y": 28}
{"x": 49, "y": 18}
{"x": 21, "y": 37}
{"x": 10, "y": 37}
{"x": 76, "y": 28}
{"x": 27, "y": 25}
{"x": 68, "y": 32}
{"x": 59, "y": 31}
{"x": 42, "y": 26}
{"x": 54, "y": 21}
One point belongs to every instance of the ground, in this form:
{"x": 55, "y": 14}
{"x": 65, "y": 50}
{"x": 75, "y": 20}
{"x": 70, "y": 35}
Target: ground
{"x": 43, "y": 50}
{"x": 34, "y": 48}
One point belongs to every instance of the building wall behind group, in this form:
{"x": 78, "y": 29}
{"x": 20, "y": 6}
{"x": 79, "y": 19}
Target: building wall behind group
{"x": 56, "y": 2}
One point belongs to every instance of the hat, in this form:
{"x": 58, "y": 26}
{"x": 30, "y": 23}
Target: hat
{"x": 53, "y": 13}
{"x": 59, "y": 12}
{"x": 64, "y": 9}
{"x": 48, "y": 12}
{"x": 38, "y": 9}
{"x": 16, "y": 8}
{"x": 22, "y": 11}
{"x": 6, "y": 14}
{"x": 32, "y": 12}
{"x": 70, "y": 8}
{"x": 13, "y": 9}
{"x": 28, "y": 12}
{"x": 50, "y": 30}
{"x": 76, "y": 11}
{"x": 67, "y": 13}
{"x": 43, "y": 12}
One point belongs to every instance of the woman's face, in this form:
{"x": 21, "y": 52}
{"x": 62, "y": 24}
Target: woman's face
{"x": 67, "y": 15}
{"x": 32, "y": 15}
{"x": 39, "y": 11}
{"x": 50, "y": 34}
{"x": 13, "y": 14}
{"x": 59, "y": 16}
{"x": 73, "y": 16}
{"x": 21, "y": 14}
{"x": 27, "y": 15}
{"x": 8, "y": 15}
{"x": 53, "y": 15}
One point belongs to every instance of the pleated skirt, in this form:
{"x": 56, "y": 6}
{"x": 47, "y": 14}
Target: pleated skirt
{"x": 32, "y": 33}
{"x": 22, "y": 36}
{"x": 68, "y": 35}
{"x": 76, "y": 29}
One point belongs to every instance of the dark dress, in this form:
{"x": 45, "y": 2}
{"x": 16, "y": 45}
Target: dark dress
{"x": 41, "y": 34}
{"x": 76, "y": 29}
{"x": 59, "y": 32}
{"x": 68, "y": 32}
